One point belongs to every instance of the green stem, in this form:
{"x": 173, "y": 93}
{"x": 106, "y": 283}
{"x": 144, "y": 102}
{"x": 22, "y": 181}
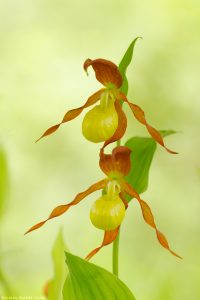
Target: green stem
{"x": 118, "y": 143}
{"x": 115, "y": 250}
{"x": 115, "y": 255}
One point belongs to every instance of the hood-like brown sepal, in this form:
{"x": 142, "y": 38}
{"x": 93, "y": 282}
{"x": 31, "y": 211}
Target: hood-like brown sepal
{"x": 106, "y": 71}
{"x": 117, "y": 164}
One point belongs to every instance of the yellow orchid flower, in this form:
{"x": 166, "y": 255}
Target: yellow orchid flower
{"x": 107, "y": 121}
{"x": 108, "y": 212}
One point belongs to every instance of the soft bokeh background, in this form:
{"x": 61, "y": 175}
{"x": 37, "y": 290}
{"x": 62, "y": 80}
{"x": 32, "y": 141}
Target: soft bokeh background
{"x": 43, "y": 44}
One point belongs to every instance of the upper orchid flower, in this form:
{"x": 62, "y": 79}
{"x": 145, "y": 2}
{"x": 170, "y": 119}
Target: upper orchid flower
{"x": 108, "y": 211}
{"x": 107, "y": 121}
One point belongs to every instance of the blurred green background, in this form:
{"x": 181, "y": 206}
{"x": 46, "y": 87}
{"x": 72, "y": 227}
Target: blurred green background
{"x": 43, "y": 44}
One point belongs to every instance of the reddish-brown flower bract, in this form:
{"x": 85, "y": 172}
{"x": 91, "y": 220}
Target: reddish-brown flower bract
{"x": 106, "y": 72}
{"x": 116, "y": 163}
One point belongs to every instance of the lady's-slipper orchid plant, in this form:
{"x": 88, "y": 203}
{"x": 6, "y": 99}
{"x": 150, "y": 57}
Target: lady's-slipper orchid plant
{"x": 107, "y": 212}
{"x": 107, "y": 122}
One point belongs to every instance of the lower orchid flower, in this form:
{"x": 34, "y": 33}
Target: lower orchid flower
{"x": 107, "y": 121}
{"x": 107, "y": 212}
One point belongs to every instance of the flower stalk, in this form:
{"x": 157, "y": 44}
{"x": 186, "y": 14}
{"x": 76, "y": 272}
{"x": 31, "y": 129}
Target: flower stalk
{"x": 115, "y": 255}
{"x": 115, "y": 249}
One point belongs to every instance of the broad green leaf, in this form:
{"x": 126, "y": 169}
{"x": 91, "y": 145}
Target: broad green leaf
{"x": 60, "y": 271}
{"x": 87, "y": 281}
{"x": 3, "y": 180}
{"x": 125, "y": 62}
{"x": 143, "y": 150}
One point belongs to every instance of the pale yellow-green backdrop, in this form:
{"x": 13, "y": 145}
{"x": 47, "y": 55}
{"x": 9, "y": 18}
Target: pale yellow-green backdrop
{"x": 43, "y": 44}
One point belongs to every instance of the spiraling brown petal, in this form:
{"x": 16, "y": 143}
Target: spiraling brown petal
{"x": 118, "y": 162}
{"x": 61, "y": 209}
{"x": 109, "y": 237}
{"x": 106, "y": 71}
{"x": 122, "y": 196}
{"x": 73, "y": 113}
{"x": 140, "y": 116}
{"x": 122, "y": 124}
{"x": 148, "y": 217}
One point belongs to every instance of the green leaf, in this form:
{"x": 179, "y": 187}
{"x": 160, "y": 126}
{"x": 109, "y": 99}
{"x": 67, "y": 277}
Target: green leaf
{"x": 87, "y": 281}
{"x": 125, "y": 62}
{"x": 143, "y": 150}
{"x": 7, "y": 290}
{"x": 3, "y": 180}
{"x": 58, "y": 255}
{"x": 165, "y": 133}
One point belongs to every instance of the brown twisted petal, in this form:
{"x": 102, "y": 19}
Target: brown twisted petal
{"x": 140, "y": 116}
{"x": 122, "y": 196}
{"x": 121, "y": 128}
{"x": 148, "y": 217}
{"x": 72, "y": 114}
{"x": 61, "y": 209}
{"x": 117, "y": 162}
{"x": 106, "y": 72}
{"x": 109, "y": 237}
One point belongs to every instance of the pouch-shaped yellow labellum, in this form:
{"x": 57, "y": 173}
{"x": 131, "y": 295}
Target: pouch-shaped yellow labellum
{"x": 100, "y": 123}
{"x": 106, "y": 213}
